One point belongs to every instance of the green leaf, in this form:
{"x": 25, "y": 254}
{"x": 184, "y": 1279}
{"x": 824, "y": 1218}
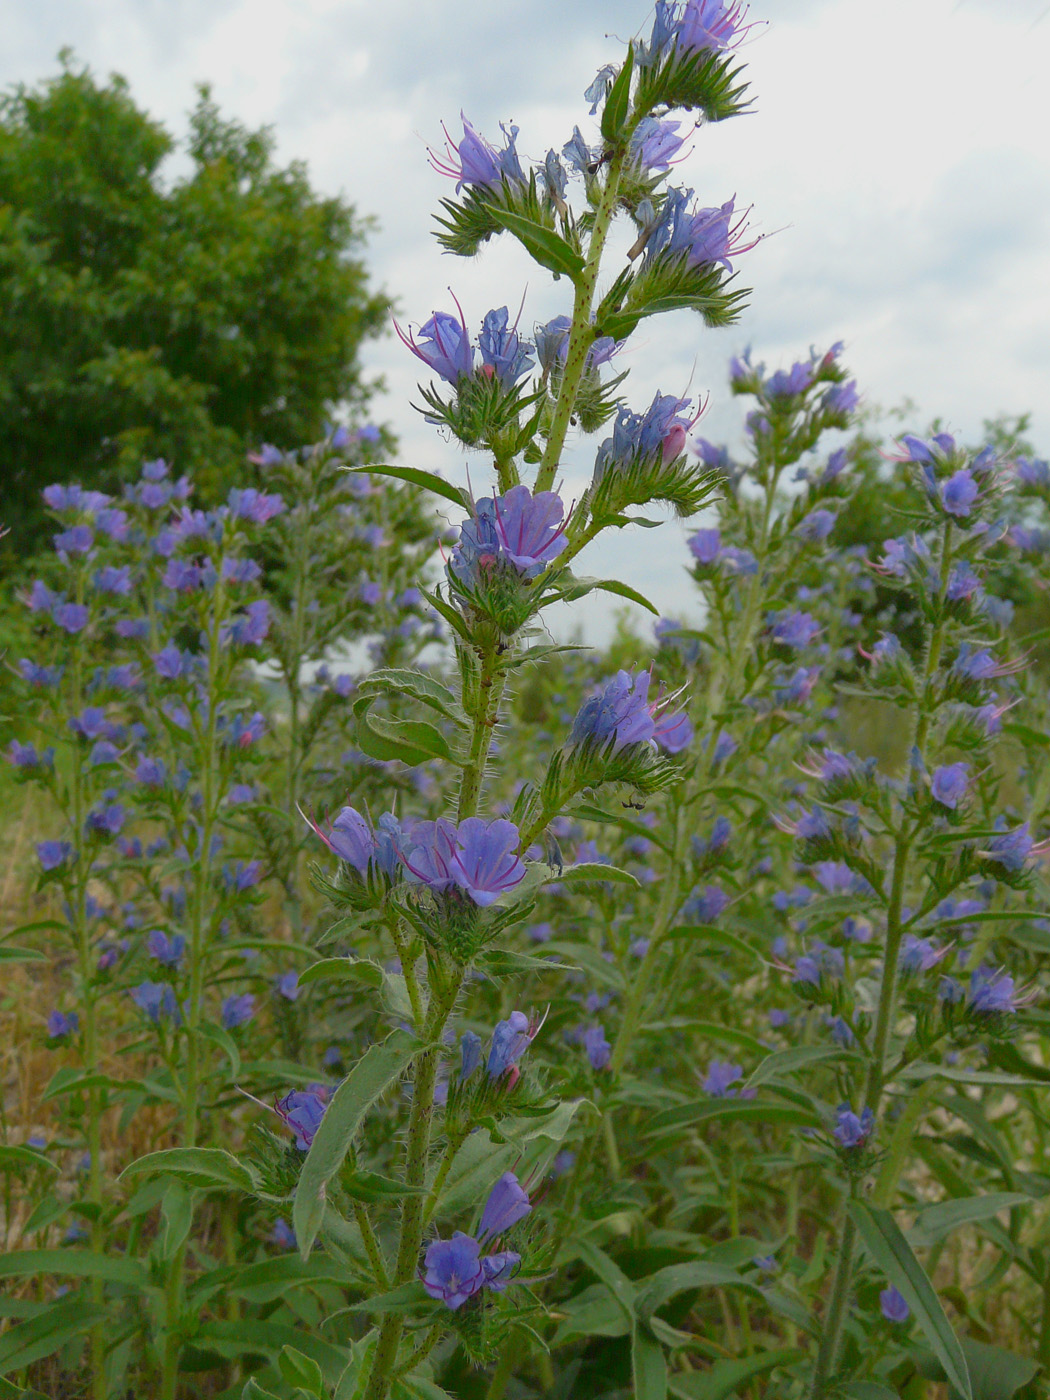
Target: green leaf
{"x": 74, "y": 1263}
{"x": 548, "y": 248}
{"x": 662, "y": 1286}
{"x": 743, "y": 1110}
{"x": 9, "y": 954}
{"x": 503, "y": 962}
{"x": 427, "y": 480}
{"x": 409, "y": 1298}
{"x": 254, "y": 1391}
{"x": 205, "y": 1168}
{"x": 648, "y": 1367}
{"x": 301, "y": 1371}
{"x": 221, "y": 1037}
{"x": 412, "y": 741}
{"x": 418, "y": 686}
{"x": 176, "y": 1220}
{"x": 934, "y": 1222}
{"x": 594, "y": 872}
{"x": 786, "y": 1062}
{"x": 995, "y": 1374}
{"x": 41, "y": 1336}
{"x": 868, "y": 1390}
{"x": 13, "y": 1157}
{"x": 575, "y": 588}
{"x": 726, "y": 1377}
{"x": 362, "y": 972}
{"x": 380, "y": 1067}
{"x": 722, "y": 936}
{"x": 893, "y": 1255}
{"x": 254, "y": 1337}
{"x": 618, "y": 101}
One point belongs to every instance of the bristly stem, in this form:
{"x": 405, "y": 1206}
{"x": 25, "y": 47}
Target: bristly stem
{"x": 827, "y": 1354}
{"x": 581, "y": 333}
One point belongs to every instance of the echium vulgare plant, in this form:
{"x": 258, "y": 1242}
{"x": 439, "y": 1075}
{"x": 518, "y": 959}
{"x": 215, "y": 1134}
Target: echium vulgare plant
{"x": 449, "y": 892}
{"x": 902, "y": 919}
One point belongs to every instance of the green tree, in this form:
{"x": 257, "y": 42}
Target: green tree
{"x": 189, "y": 318}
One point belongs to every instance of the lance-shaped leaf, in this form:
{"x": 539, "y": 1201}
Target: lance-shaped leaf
{"x": 548, "y": 248}
{"x": 417, "y": 477}
{"x": 380, "y": 1067}
{"x": 893, "y": 1255}
{"x": 206, "y": 1168}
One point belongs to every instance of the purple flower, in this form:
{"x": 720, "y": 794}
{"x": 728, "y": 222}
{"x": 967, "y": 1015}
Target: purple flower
{"x": 150, "y": 772}
{"x": 71, "y": 617}
{"x": 61, "y": 1024}
{"x": 841, "y": 398}
{"x": 508, "y": 1203}
{"x": 282, "y": 1235}
{"x": 510, "y": 1039}
{"x": 54, "y": 854}
{"x": 894, "y": 1308}
{"x": 959, "y": 493}
{"x": 697, "y": 237}
{"x": 499, "y": 1269}
{"x": 596, "y": 1047}
{"x": 619, "y": 713}
{"x": 529, "y": 528}
{"x": 655, "y": 144}
{"x": 992, "y": 993}
{"x": 470, "y": 1055}
{"x": 485, "y": 863}
{"x": 110, "y": 579}
{"x": 167, "y": 950}
{"x": 476, "y": 163}
{"x": 171, "y": 664}
{"x": 707, "y": 905}
{"x": 42, "y": 677}
{"x": 949, "y": 784}
{"x": 503, "y": 351}
{"x": 76, "y": 540}
{"x": 658, "y": 432}
{"x": 156, "y": 1000}
{"x": 705, "y": 546}
{"x": 107, "y": 819}
{"x": 430, "y": 848}
{"x": 182, "y": 575}
{"x": 796, "y": 629}
{"x": 816, "y": 526}
{"x": 237, "y": 1010}
{"x": 1011, "y": 849}
{"x": 720, "y": 1075}
{"x": 253, "y": 505}
{"x": 444, "y": 346}
{"x": 25, "y": 756}
{"x": 852, "y": 1131}
{"x": 920, "y": 954}
{"x": 247, "y": 628}
{"x": 673, "y": 733}
{"x": 785, "y": 383}
{"x": 453, "y": 1270}
{"x": 287, "y": 986}
{"x": 242, "y": 875}
{"x": 302, "y": 1111}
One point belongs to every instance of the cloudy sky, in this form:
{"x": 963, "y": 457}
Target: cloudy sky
{"x": 897, "y": 151}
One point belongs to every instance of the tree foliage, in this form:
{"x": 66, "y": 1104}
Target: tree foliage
{"x": 188, "y": 317}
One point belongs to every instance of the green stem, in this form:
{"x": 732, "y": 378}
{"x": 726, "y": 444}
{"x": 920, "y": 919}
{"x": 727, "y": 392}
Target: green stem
{"x": 375, "y": 1254}
{"x": 581, "y": 334}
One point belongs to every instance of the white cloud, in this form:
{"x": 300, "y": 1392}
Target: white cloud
{"x": 897, "y": 151}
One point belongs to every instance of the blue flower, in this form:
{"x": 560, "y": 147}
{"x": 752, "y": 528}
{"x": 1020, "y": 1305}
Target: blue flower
{"x": 596, "y": 1047}
{"x": 157, "y": 1001}
{"x": 852, "y": 1131}
{"x": 508, "y": 1203}
{"x": 485, "y": 863}
{"x": 502, "y": 349}
{"x": 619, "y": 713}
{"x": 53, "y": 855}
{"x": 959, "y": 493}
{"x": 720, "y": 1075}
{"x": 168, "y": 951}
{"x": 453, "y": 1270}
{"x": 61, "y": 1024}
{"x": 893, "y": 1306}
{"x": 476, "y": 163}
{"x": 949, "y": 784}
{"x": 992, "y": 993}
{"x": 237, "y": 1010}
{"x": 302, "y": 1111}
{"x": 444, "y": 346}
{"x": 510, "y": 1039}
